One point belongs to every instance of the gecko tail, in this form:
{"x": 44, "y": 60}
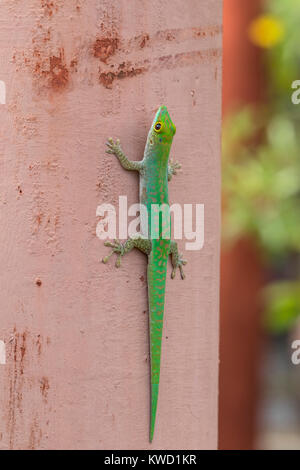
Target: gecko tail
{"x": 157, "y": 270}
{"x": 154, "y": 398}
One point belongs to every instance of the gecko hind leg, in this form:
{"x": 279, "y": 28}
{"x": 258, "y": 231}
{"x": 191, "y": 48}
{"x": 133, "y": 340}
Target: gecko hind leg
{"x": 177, "y": 260}
{"x": 121, "y": 249}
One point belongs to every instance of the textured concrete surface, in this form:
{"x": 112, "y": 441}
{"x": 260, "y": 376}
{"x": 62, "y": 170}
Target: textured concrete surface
{"x": 75, "y": 330}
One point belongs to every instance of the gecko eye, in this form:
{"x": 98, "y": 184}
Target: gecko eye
{"x": 157, "y": 127}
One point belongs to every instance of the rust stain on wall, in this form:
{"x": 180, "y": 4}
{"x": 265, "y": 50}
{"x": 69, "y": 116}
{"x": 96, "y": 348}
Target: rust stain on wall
{"x": 49, "y": 7}
{"x": 48, "y": 71}
{"x": 185, "y": 59}
{"x": 207, "y": 56}
{"x": 144, "y": 39}
{"x": 74, "y": 64}
{"x": 16, "y": 381}
{"x": 170, "y": 35}
{"x": 39, "y": 338}
{"x": 53, "y": 71}
{"x": 35, "y": 435}
{"x": 105, "y": 47}
{"x": 44, "y": 387}
{"x": 25, "y": 351}
{"x": 58, "y": 73}
{"x": 123, "y": 71}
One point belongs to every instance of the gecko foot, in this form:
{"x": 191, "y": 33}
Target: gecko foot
{"x": 113, "y": 147}
{"x": 174, "y": 166}
{"x": 172, "y": 169}
{"x": 117, "y": 248}
{"x": 178, "y": 263}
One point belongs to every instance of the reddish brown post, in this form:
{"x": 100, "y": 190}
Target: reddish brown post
{"x": 76, "y": 330}
{"x": 241, "y": 270}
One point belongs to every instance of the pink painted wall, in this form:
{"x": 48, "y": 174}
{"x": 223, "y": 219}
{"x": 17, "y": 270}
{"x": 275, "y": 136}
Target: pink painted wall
{"x": 76, "y": 331}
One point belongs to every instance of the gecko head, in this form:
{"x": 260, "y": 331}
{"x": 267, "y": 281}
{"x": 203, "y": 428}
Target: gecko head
{"x": 162, "y": 130}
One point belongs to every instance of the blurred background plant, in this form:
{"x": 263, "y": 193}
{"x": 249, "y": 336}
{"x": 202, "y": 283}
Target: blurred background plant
{"x": 259, "y": 405}
{"x": 261, "y": 165}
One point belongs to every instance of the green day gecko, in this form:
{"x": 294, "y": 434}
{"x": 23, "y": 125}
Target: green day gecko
{"x": 154, "y": 240}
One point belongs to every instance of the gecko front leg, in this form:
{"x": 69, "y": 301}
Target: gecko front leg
{"x": 177, "y": 261}
{"x": 115, "y": 149}
{"x": 120, "y": 249}
{"x": 172, "y": 169}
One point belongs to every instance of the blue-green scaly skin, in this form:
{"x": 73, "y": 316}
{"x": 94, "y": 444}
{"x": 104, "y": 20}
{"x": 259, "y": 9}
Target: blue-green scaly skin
{"x": 155, "y": 171}
{"x": 154, "y": 191}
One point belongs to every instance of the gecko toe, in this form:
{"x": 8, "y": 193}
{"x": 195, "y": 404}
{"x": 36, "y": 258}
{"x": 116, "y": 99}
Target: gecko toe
{"x": 181, "y": 273}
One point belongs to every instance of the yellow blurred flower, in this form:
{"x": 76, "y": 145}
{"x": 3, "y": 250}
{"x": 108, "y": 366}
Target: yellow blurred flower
{"x": 266, "y": 31}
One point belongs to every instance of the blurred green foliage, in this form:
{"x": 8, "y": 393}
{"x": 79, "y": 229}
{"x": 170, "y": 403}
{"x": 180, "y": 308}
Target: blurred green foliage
{"x": 261, "y": 168}
{"x": 261, "y": 181}
{"x": 283, "y": 305}
{"x": 284, "y": 59}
